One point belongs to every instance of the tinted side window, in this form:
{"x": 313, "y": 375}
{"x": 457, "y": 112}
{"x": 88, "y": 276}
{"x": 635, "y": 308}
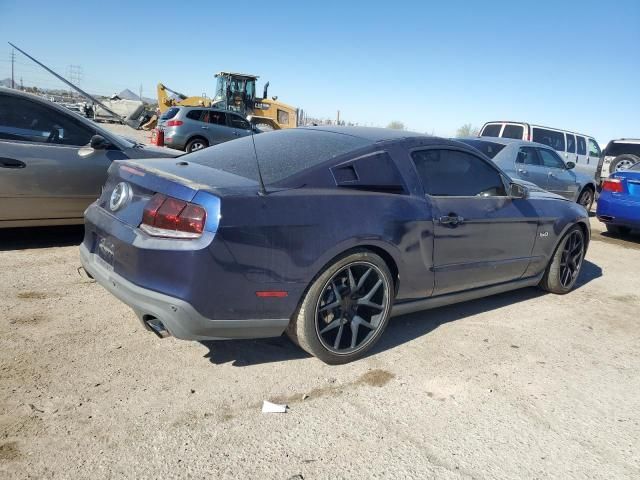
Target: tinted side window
{"x": 594, "y": 149}
{"x": 550, "y": 159}
{"x": 491, "y": 130}
{"x": 457, "y": 174}
{"x": 513, "y": 131}
{"x": 29, "y": 121}
{"x": 528, "y": 156}
{"x": 571, "y": 143}
{"x": 195, "y": 114}
{"x": 239, "y": 122}
{"x": 217, "y": 118}
{"x": 549, "y": 137}
{"x": 582, "y": 146}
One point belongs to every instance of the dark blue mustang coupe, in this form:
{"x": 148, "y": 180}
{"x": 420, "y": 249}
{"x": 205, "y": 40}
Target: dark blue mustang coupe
{"x": 337, "y": 230}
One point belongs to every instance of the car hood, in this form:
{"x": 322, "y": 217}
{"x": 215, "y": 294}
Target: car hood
{"x": 150, "y": 151}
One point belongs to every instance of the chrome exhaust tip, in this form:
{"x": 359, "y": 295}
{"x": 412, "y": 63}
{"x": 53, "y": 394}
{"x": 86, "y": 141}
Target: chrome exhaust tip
{"x": 156, "y": 326}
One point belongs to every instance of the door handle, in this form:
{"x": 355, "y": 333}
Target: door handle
{"x": 522, "y": 171}
{"x": 451, "y": 220}
{"x": 236, "y": 134}
{"x": 11, "y": 163}
{"x": 205, "y": 128}
{"x": 551, "y": 174}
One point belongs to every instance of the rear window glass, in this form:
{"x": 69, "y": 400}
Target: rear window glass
{"x": 281, "y": 153}
{"x": 490, "y": 149}
{"x": 551, "y": 138}
{"x": 172, "y": 112}
{"x": 513, "y": 131}
{"x": 571, "y": 143}
{"x": 582, "y": 146}
{"x": 615, "y": 149}
{"x": 492, "y": 130}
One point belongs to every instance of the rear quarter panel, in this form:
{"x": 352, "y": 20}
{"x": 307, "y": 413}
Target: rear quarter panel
{"x": 289, "y": 237}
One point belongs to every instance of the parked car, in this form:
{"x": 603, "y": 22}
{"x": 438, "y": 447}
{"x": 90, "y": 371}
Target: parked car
{"x": 539, "y": 164}
{"x": 343, "y": 228}
{"x": 53, "y": 162}
{"x": 618, "y": 155}
{"x": 194, "y": 128}
{"x": 578, "y": 148}
{"x": 619, "y": 202}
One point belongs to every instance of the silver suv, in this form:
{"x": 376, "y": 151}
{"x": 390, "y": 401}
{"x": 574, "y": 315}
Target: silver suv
{"x": 195, "y": 128}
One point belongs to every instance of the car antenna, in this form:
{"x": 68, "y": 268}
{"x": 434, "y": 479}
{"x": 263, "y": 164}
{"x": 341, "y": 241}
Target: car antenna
{"x": 263, "y": 190}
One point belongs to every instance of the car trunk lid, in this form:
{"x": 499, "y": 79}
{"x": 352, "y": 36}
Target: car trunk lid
{"x": 174, "y": 178}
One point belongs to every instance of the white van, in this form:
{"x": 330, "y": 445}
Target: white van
{"x": 581, "y": 149}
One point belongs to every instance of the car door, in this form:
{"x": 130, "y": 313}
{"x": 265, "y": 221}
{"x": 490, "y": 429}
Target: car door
{"x": 593, "y": 157}
{"x": 581, "y": 153}
{"x": 561, "y": 180}
{"x": 481, "y": 235}
{"x": 219, "y": 127}
{"x": 570, "y": 154}
{"x": 529, "y": 167}
{"x": 44, "y": 171}
{"x": 240, "y": 126}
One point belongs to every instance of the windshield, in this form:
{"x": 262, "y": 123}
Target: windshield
{"x": 490, "y": 149}
{"x": 281, "y": 153}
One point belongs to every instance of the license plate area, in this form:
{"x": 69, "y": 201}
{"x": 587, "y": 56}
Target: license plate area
{"x": 105, "y": 252}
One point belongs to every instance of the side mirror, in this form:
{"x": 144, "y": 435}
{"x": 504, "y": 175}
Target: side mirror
{"x": 571, "y": 165}
{"x": 98, "y": 142}
{"x": 518, "y": 191}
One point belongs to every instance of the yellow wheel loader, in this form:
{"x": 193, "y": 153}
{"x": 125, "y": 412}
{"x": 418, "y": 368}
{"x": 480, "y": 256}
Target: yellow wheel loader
{"x": 237, "y": 92}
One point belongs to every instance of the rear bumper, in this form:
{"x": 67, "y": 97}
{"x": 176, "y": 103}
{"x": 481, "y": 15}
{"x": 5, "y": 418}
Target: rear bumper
{"x": 618, "y": 210}
{"x": 179, "y": 317}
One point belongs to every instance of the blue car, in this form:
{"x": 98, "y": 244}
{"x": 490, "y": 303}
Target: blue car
{"x": 323, "y": 233}
{"x": 619, "y": 202}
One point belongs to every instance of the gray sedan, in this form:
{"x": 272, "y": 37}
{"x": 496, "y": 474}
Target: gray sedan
{"x": 538, "y": 164}
{"x": 54, "y": 162}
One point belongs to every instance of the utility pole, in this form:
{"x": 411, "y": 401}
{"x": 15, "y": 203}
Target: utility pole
{"x": 74, "y": 74}
{"x": 13, "y": 59}
{"x": 140, "y": 95}
{"x": 21, "y": 84}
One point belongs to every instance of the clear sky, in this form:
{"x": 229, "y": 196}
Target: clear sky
{"x": 432, "y": 65}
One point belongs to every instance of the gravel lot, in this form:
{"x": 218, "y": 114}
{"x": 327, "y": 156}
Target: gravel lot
{"x": 520, "y": 385}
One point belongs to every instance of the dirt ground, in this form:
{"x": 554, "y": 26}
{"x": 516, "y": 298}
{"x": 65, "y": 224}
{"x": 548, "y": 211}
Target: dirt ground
{"x": 520, "y": 385}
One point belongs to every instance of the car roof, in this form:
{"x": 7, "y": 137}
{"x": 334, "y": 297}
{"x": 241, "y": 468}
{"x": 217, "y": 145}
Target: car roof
{"x": 626, "y": 140}
{"x": 517, "y": 122}
{"x": 196, "y": 107}
{"x": 506, "y": 141}
{"x": 369, "y": 133}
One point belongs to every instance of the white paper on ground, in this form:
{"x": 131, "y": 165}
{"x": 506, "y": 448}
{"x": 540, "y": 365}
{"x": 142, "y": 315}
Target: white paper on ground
{"x": 268, "y": 407}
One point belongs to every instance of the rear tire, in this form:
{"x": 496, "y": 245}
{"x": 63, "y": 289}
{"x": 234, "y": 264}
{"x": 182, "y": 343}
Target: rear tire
{"x": 346, "y": 309}
{"x": 565, "y": 265}
{"x": 196, "y": 144}
{"x": 586, "y": 198}
{"x": 617, "y": 229}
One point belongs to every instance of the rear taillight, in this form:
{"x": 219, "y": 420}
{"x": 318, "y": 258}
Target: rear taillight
{"x": 173, "y": 123}
{"x": 613, "y": 185}
{"x": 169, "y": 217}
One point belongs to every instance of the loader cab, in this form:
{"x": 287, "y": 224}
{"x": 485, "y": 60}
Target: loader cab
{"x": 235, "y": 92}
